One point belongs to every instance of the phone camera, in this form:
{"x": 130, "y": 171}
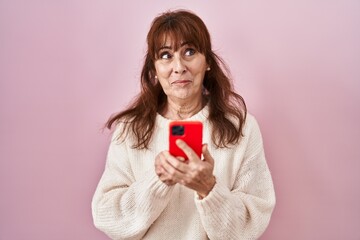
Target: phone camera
{"x": 177, "y": 130}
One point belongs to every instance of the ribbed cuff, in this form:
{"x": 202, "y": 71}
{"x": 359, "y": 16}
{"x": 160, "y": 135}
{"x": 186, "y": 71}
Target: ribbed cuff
{"x": 213, "y": 201}
{"x": 156, "y": 188}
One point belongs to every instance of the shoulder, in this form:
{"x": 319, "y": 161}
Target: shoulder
{"x": 251, "y": 130}
{"x": 121, "y": 132}
{"x": 250, "y": 121}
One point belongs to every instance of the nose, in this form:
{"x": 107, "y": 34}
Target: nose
{"x": 179, "y": 66}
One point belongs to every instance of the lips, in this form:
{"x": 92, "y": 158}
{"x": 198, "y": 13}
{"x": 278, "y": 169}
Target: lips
{"x": 182, "y": 81}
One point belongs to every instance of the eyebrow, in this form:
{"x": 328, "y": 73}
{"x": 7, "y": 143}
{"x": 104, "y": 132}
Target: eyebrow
{"x": 169, "y": 47}
{"x": 164, "y": 47}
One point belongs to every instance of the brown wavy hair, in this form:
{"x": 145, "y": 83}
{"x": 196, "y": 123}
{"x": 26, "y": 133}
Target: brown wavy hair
{"x": 224, "y": 103}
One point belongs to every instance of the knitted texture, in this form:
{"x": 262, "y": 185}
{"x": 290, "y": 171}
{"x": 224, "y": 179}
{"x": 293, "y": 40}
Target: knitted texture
{"x": 130, "y": 202}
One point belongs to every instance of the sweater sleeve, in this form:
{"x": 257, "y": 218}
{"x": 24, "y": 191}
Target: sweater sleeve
{"x": 122, "y": 207}
{"x": 244, "y": 211}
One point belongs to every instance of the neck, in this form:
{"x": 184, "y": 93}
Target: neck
{"x": 179, "y": 110}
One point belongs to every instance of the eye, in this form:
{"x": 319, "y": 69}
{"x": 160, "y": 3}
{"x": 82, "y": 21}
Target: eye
{"x": 165, "y": 55}
{"x": 190, "y": 52}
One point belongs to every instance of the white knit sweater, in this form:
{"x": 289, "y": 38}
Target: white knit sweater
{"x": 130, "y": 201}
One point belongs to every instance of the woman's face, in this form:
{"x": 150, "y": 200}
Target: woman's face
{"x": 180, "y": 72}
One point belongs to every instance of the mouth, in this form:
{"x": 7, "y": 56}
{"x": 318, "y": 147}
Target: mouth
{"x": 181, "y": 82}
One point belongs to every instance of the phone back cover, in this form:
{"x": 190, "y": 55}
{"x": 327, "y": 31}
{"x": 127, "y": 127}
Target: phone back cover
{"x": 192, "y": 136}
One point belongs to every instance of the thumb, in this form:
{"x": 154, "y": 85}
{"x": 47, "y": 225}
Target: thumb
{"x": 206, "y": 154}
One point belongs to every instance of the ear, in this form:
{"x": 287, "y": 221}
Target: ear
{"x": 153, "y": 77}
{"x": 156, "y": 80}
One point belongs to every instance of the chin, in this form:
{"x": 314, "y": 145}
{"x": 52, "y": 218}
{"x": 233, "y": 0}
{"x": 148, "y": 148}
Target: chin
{"x": 182, "y": 97}
{"x": 182, "y": 94}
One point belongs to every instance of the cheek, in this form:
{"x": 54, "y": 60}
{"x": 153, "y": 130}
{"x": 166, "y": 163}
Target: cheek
{"x": 161, "y": 70}
{"x": 199, "y": 67}
{"x": 164, "y": 84}
{"x": 199, "y": 73}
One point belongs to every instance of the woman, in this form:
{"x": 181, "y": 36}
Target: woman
{"x": 145, "y": 192}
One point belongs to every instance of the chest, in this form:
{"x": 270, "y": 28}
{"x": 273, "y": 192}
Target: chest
{"x": 227, "y": 161}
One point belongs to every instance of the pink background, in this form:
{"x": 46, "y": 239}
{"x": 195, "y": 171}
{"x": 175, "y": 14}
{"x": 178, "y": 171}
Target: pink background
{"x": 65, "y": 66}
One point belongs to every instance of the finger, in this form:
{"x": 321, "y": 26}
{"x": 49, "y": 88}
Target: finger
{"x": 166, "y": 178}
{"x": 176, "y": 162}
{"x": 158, "y": 168}
{"x": 206, "y": 154}
{"x": 159, "y": 158}
{"x": 171, "y": 171}
{"x": 162, "y": 173}
{"x": 169, "y": 182}
{"x": 187, "y": 150}
{"x": 181, "y": 159}
{"x": 158, "y": 171}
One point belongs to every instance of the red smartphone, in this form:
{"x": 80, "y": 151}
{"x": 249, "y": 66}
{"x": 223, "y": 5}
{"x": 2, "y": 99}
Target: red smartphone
{"x": 188, "y": 131}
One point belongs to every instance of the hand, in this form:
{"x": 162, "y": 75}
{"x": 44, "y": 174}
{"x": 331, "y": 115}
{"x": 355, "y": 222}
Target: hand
{"x": 160, "y": 161}
{"x": 195, "y": 174}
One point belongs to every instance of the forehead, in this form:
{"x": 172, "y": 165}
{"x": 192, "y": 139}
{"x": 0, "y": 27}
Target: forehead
{"x": 172, "y": 40}
{"x": 169, "y": 44}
